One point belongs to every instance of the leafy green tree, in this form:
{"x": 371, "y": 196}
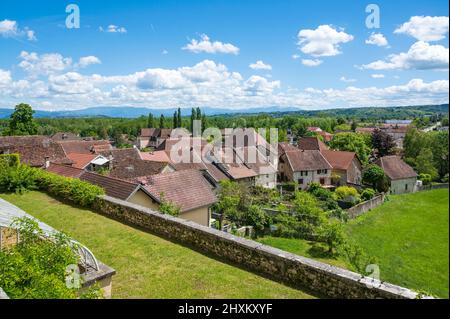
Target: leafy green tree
{"x": 167, "y": 207}
{"x": 21, "y": 121}
{"x": 179, "y": 122}
{"x": 162, "y": 121}
{"x": 374, "y": 176}
{"x": 175, "y": 120}
{"x": 424, "y": 163}
{"x": 352, "y": 142}
{"x": 150, "y": 121}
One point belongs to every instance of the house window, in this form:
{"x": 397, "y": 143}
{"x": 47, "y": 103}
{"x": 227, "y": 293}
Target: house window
{"x": 406, "y": 187}
{"x": 322, "y": 171}
{"x": 304, "y": 173}
{"x": 322, "y": 181}
{"x": 300, "y": 181}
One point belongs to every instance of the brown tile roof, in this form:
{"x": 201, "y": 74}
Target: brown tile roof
{"x": 365, "y": 129}
{"x": 307, "y": 160}
{"x": 156, "y": 132}
{"x": 395, "y": 167}
{"x": 127, "y": 164}
{"x": 85, "y": 147}
{"x": 233, "y": 166}
{"x": 156, "y": 156}
{"x": 34, "y": 150}
{"x": 187, "y": 189}
{"x": 311, "y": 144}
{"x": 60, "y": 136}
{"x": 339, "y": 159}
{"x": 113, "y": 187}
{"x": 65, "y": 170}
{"x": 81, "y": 160}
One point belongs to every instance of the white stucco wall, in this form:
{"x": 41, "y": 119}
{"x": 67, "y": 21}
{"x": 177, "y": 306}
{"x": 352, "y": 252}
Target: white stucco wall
{"x": 399, "y": 186}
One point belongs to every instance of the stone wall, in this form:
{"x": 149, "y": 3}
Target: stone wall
{"x": 363, "y": 207}
{"x": 323, "y": 279}
{"x": 433, "y": 186}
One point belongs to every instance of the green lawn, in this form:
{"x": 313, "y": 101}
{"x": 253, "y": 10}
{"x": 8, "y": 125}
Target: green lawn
{"x": 409, "y": 235}
{"x": 148, "y": 266}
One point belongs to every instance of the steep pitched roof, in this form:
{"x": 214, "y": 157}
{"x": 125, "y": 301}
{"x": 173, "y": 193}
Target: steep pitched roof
{"x": 34, "y": 150}
{"x": 156, "y": 156}
{"x": 65, "y": 170}
{"x": 339, "y": 159}
{"x": 230, "y": 163}
{"x": 395, "y": 168}
{"x": 113, "y": 187}
{"x": 311, "y": 144}
{"x": 85, "y": 147}
{"x": 306, "y": 160}
{"x": 156, "y": 132}
{"x": 60, "y": 136}
{"x": 187, "y": 189}
{"x": 254, "y": 159}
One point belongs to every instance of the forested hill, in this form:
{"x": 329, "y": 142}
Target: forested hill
{"x": 401, "y": 112}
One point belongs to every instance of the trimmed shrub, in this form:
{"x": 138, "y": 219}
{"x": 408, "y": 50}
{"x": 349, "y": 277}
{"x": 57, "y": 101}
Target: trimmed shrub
{"x": 425, "y": 178}
{"x": 11, "y": 160}
{"x": 367, "y": 194}
{"x": 72, "y": 189}
{"x": 16, "y": 179}
{"x": 346, "y": 193}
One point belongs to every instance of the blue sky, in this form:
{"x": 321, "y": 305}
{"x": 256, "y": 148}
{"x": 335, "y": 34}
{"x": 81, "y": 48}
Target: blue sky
{"x": 187, "y": 53}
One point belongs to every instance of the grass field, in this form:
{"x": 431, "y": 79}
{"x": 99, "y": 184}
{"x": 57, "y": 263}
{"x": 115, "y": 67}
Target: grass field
{"x": 148, "y": 266}
{"x": 409, "y": 235}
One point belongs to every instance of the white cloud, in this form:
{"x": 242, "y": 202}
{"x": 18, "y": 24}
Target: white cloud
{"x": 421, "y": 56}
{"x": 323, "y": 41}
{"x": 295, "y": 56}
{"x": 206, "y": 46}
{"x": 377, "y": 39}
{"x": 311, "y": 63}
{"x": 44, "y": 64}
{"x": 425, "y": 28}
{"x": 88, "y": 60}
{"x": 260, "y": 65}
{"x": 113, "y": 29}
{"x": 10, "y": 28}
{"x": 377, "y": 76}
{"x": 344, "y": 79}
{"x": 205, "y": 83}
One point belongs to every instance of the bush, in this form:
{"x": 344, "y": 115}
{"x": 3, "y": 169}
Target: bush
{"x": 16, "y": 179}
{"x": 72, "y": 189}
{"x": 167, "y": 207}
{"x": 367, "y": 194}
{"x": 11, "y": 160}
{"x": 346, "y": 193}
{"x": 425, "y": 178}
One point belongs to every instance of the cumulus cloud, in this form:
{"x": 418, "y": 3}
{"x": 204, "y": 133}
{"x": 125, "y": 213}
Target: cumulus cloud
{"x": 377, "y": 39}
{"x": 88, "y": 60}
{"x": 346, "y": 80}
{"x": 204, "y": 45}
{"x": 425, "y": 28}
{"x": 295, "y": 56}
{"x": 44, "y": 64}
{"x": 5, "y": 77}
{"x": 420, "y": 56}
{"x": 377, "y": 76}
{"x": 257, "y": 84}
{"x": 323, "y": 41}
{"x": 10, "y": 28}
{"x": 311, "y": 62}
{"x": 260, "y": 65}
{"x": 113, "y": 29}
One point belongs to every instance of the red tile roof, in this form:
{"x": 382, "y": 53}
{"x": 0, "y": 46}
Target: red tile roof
{"x": 395, "y": 168}
{"x": 157, "y": 156}
{"x": 81, "y": 160}
{"x": 65, "y": 170}
{"x": 187, "y": 189}
{"x": 34, "y": 150}
{"x": 255, "y": 160}
{"x": 339, "y": 159}
{"x": 306, "y": 160}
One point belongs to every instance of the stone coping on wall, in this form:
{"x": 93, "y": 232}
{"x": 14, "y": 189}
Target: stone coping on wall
{"x": 92, "y": 276}
{"x": 321, "y": 278}
{"x": 3, "y": 294}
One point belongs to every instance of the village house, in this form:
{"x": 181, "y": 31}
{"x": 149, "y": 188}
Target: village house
{"x": 325, "y": 135}
{"x": 402, "y": 177}
{"x": 255, "y": 160}
{"x": 346, "y": 165}
{"x": 186, "y": 189}
{"x": 64, "y": 136}
{"x": 303, "y": 166}
{"x": 152, "y": 137}
{"x": 36, "y": 150}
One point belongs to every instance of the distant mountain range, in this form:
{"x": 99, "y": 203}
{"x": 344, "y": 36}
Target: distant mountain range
{"x": 132, "y": 112}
